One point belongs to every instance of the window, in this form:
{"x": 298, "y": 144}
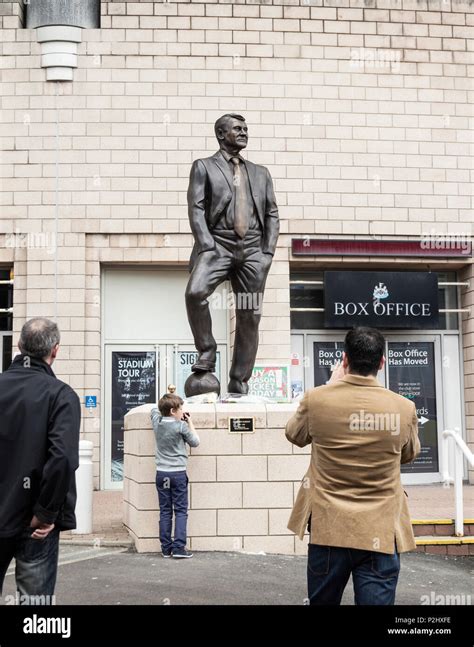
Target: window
{"x": 6, "y": 317}
{"x": 6, "y": 299}
{"x": 307, "y": 294}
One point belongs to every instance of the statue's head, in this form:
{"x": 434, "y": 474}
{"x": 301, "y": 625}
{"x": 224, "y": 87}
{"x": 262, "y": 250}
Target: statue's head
{"x": 231, "y": 132}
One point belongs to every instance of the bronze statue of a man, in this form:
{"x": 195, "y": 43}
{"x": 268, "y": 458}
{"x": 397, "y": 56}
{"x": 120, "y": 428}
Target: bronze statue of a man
{"x": 234, "y": 220}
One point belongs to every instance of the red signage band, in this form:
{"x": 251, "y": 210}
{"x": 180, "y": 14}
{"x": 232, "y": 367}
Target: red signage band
{"x": 454, "y": 247}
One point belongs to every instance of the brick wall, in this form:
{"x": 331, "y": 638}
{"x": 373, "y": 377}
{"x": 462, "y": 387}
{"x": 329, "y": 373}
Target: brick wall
{"x": 12, "y": 14}
{"x": 242, "y": 486}
{"x": 360, "y": 111}
{"x": 347, "y": 144}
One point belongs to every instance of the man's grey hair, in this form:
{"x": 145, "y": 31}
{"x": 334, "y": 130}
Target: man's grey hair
{"x": 222, "y": 121}
{"x": 38, "y": 337}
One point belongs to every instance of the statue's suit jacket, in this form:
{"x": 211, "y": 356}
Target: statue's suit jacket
{"x": 210, "y": 193}
{"x": 352, "y": 489}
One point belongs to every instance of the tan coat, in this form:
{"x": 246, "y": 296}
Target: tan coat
{"x": 352, "y": 489}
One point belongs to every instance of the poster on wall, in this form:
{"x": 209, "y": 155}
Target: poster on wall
{"x": 133, "y": 384}
{"x": 325, "y": 355}
{"x": 186, "y": 358}
{"x": 411, "y": 373}
{"x": 271, "y": 382}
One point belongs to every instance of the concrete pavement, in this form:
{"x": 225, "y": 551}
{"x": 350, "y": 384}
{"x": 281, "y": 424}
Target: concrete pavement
{"x": 98, "y": 576}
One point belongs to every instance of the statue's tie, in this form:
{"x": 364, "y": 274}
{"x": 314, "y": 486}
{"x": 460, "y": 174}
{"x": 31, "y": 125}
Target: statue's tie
{"x": 241, "y": 222}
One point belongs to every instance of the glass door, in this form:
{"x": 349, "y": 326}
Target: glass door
{"x": 137, "y": 374}
{"x": 181, "y": 357}
{"x": 322, "y": 351}
{"x": 413, "y": 369}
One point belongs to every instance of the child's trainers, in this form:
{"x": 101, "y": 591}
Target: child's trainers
{"x": 166, "y": 553}
{"x": 182, "y": 553}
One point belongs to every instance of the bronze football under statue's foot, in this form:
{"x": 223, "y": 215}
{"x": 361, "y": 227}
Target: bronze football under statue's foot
{"x": 201, "y": 382}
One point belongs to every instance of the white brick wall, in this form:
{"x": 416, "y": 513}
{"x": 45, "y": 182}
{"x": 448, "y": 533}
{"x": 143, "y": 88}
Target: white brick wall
{"x": 362, "y": 115}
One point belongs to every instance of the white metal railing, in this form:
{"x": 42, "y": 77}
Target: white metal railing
{"x": 460, "y": 450}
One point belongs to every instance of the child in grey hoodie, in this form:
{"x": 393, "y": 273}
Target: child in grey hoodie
{"x": 173, "y": 429}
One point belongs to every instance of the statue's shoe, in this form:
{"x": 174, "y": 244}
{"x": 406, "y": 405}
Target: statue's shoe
{"x": 203, "y": 366}
{"x": 236, "y": 386}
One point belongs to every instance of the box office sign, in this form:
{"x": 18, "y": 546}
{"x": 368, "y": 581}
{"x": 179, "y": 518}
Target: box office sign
{"x": 381, "y": 299}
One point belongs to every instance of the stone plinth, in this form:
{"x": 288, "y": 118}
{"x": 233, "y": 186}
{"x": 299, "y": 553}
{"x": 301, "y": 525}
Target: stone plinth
{"x": 241, "y": 485}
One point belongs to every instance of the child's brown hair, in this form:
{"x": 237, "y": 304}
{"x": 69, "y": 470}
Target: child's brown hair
{"x": 169, "y": 401}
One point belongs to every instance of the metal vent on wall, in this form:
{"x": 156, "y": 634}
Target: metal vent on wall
{"x": 58, "y": 25}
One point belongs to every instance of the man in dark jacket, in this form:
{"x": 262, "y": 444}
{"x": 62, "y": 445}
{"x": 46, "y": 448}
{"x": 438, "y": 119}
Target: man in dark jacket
{"x": 39, "y": 454}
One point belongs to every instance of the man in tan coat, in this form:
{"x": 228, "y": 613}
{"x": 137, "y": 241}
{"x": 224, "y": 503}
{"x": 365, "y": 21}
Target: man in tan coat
{"x": 351, "y": 498}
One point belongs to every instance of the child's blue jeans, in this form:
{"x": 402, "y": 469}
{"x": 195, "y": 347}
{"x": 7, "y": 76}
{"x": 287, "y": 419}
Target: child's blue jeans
{"x": 172, "y": 495}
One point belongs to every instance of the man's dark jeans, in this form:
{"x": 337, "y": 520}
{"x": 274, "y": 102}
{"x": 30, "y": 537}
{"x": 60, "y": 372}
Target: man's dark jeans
{"x": 36, "y": 565}
{"x": 172, "y": 495}
{"x": 374, "y": 575}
